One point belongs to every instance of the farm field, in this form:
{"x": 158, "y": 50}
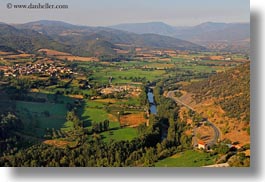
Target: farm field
{"x": 119, "y": 134}
{"x": 39, "y": 116}
{"x": 94, "y": 111}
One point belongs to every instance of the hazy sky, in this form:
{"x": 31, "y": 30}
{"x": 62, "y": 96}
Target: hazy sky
{"x": 110, "y": 12}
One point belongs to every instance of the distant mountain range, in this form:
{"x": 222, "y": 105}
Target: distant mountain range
{"x": 103, "y": 41}
{"x": 83, "y": 40}
{"x": 206, "y": 34}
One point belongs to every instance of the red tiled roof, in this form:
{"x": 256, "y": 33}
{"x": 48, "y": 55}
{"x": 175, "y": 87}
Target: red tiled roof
{"x": 201, "y": 142}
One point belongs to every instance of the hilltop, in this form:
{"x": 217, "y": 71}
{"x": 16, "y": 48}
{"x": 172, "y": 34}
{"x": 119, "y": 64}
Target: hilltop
{"x": 225, "y": 99}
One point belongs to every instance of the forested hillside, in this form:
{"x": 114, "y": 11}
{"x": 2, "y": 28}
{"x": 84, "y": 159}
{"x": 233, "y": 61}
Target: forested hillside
{"x": 229, "y": 89}
{"x": 26, "y": 40}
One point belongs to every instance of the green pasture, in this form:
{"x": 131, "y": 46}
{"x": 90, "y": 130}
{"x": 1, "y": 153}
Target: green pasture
{"x": 119, "y": 134}
{"x": 34, "y": 117}
{"x": 188, "y": 158}
{"x": 120, "y": 75}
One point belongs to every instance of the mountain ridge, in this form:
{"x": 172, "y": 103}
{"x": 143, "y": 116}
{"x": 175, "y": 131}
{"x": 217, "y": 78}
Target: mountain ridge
{"x": 78, "y": 39}
{"x": 206, "y": 34}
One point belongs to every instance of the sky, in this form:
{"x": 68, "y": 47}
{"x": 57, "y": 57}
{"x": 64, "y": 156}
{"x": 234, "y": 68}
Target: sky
{"x": 111, "y": 12}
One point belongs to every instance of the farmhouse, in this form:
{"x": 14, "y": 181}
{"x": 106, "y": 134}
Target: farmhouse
{"x": 202, "y": 145}
{"x": 233, "y": 146}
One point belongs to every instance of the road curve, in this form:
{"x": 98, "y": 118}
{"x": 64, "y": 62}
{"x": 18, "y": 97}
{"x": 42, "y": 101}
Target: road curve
{"x": 171, "y": 95}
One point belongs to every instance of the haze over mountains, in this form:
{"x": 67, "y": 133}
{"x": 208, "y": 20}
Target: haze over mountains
{"x": 103, "y": 41}
{"x": 226, "y": 31}
{"x": 205, "y": 34}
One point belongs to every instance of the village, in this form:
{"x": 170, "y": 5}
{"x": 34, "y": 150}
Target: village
{"x": 40, "y": 69}
{"x": 134, "y": 90}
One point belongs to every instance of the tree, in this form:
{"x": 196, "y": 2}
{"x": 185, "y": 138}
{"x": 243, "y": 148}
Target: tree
{"x": 185, "y": 141}
{"x": 153, "y": 120}
{"x": 106, "y": 125}
{"x": 150, "y": 157}
{"x": 143, "y": 97}
{"x": 72, "y": 117}
{"x": 222, "y": 149}
{"x": 100, "y": 127}
{"x": 2, "y": 73}
{"x": 142, "y": 129}
{"x": 64, "y": 161}
{"x": 171, "y": 136}
{"x": 239, "y": 160}
{"x": 95, "y": 127}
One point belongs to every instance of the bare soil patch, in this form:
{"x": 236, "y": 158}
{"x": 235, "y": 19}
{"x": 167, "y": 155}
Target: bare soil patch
{"x": 50, "y": 52}
{"x": 76, "y": 96}
{"x": 66, "y": 56}
{"x": 112, "y": 118}
{"x": 106, "y": 100}
{"x": 133, "y": 120}
{"x": 77, "y": 58}
{"x": 57, "y": 143}
{"x": 205, "y": 133}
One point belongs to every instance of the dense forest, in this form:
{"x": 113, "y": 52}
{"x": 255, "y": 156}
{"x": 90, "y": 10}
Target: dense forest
{"x": 229, "y": 89}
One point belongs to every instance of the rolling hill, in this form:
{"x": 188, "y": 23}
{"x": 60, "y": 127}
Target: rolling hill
{"x": 224, "y": 99}
{"x": 230, "y": 90}
{"x": 8, "y": 49}
{"x": 31, "y": 40}
{"x": 27, "y": 40}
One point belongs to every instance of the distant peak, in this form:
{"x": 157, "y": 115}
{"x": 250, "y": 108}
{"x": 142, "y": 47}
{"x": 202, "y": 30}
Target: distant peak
{"x": 143, "y": 23}
{"x": 212, "y": 23}
{"x": 49, "y": 22}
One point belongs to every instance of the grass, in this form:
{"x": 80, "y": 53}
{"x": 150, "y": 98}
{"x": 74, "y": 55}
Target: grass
{"x": 124, "y": 72}
{"x": 95, "y": 115}
{"x": 93, "y": 112}
{"x": 133, "y": 101}
{"x": 32, "y": 114}
{"x": 38, "y": 116}
{"x": 114, "y": 125}
{"x": 120, "y": 134}
{"x": 119, "y": 76}
{"x": 188, "y": 158}
{"x": 68, "y": 126}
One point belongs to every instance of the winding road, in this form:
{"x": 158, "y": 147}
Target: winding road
{"x": 171, "y": 95}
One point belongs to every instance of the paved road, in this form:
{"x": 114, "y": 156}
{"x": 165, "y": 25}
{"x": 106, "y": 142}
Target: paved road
{"x": 171, "y": 95}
